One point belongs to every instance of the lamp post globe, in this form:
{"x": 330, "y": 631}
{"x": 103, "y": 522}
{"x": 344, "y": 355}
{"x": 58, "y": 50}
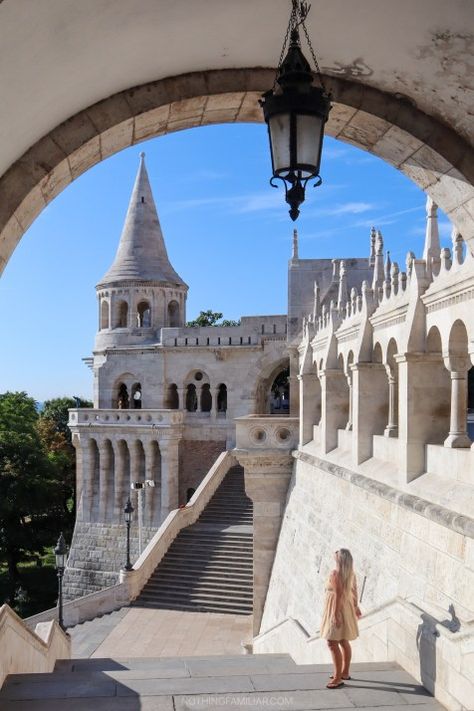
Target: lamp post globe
{"x": 295, "y": 111}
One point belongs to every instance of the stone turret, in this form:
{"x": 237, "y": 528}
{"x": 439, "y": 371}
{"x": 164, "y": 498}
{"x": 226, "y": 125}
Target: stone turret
{"x": 141, "y": 292}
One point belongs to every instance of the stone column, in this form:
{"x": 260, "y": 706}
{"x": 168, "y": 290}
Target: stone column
{"x": 181, "y": 397}
{"x": 214, "y": 403}
{"x": 458, "y": 437}
{"x": 350, "y": 419}
{"x": 423, "y": 389}
{"x": 88, "y": 462}
{"x": 310, "y": 405}
{"x": 293, "y": 381}
{"x": 120, "y": 492}
{"x": 267, "y": 476}
{"x": 169, "y": 449}
{"x": 334, "y": 407}
{"x": 391, "y": 429}
{"x": 104, "y": 470}
{"x": 369, "y": 398}
{"x": 149, "y": 447}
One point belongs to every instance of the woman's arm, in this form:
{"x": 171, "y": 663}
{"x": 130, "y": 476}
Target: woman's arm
{"x": 355, "y": 597}
{"x": 336, "y": 585}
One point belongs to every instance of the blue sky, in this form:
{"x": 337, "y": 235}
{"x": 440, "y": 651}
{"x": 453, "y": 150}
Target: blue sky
{"x": 227, "y": 231}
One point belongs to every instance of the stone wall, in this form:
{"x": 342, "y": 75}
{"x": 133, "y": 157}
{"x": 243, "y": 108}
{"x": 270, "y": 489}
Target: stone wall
{"x": 402, "y": 546}
{"x": 98, "y": 552}
{"x": 196, "y": 458}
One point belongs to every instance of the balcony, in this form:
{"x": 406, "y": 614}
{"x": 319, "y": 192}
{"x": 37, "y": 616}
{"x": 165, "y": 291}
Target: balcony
{"x": 85, "y": 417}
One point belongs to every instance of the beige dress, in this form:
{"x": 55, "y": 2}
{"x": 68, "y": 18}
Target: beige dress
{"x": 348, "y": 629}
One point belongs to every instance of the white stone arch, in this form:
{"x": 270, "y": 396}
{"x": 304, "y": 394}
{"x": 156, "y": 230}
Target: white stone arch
{"x": 439, "y": 160}
{"x": 128, "y": 380}
{"x": 121, "y": 312}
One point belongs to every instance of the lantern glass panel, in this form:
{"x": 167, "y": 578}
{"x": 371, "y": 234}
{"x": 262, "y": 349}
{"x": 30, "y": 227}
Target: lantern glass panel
{"x": 61, "y": 560}
{"x": 279, "y": 126}
{"x": 309, "y": 133}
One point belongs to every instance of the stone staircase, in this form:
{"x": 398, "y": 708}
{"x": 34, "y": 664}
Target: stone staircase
{"x": 217, "y": 682}
{"x": 209, "y": 565}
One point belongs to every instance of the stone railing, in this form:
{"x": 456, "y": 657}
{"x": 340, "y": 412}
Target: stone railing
{"x": 131, "y": 582}
{"x": 266, "y": 432}
{"x": 397, "y": 631}
{"x": 85, "y": 417}
{"x": 23, "y": 651}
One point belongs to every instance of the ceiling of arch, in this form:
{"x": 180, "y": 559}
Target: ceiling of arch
{"x": 60, "y": 56}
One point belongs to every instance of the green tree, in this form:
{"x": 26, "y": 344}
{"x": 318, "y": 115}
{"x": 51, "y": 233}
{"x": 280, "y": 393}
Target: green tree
{"x": 57, "y": 440}
{"x": 29, "y": 488}
{"x": 211, "y": 318}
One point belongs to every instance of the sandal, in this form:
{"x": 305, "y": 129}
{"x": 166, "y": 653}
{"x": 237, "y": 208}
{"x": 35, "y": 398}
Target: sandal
{"x": 345, "y": 678}
{"x": 332, "y": 685}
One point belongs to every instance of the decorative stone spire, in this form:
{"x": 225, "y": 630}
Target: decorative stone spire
{"x": 295, "y": 245}
{"x": 378, "y": 277}
{"x": 373, "y": 237}
{"x": 388, "y": 267}
{"x": 316, "y": 301}
{"x": 343, "y": 295}
{"x": 141, "y": 254}
{"x": 432, "y": 248}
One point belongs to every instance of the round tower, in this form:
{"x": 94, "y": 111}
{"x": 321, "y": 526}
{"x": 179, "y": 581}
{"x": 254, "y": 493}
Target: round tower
{"x": 141, "y": 292}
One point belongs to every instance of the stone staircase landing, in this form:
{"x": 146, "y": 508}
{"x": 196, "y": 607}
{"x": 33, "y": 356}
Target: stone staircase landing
{"x": 181, "y": 684}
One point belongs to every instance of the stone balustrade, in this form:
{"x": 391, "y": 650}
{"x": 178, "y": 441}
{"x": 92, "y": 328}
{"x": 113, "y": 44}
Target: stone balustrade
{"x": 258, "y": 432}
{"x": 88, "y": 417}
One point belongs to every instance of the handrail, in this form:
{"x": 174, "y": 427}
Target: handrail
{"x": 23, "y": 651}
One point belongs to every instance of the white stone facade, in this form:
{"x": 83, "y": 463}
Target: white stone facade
{"x": 385, "y": 467}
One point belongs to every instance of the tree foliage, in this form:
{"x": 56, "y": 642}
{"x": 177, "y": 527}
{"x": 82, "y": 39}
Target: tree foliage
{"x": 30, "y": 490}
{"x": 211, "y": 318}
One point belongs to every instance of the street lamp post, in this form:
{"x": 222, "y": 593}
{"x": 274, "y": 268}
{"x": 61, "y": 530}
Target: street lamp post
{"x": 295, "y": 111}
{"x": 128, "y": 513}
{"x": 60, "y": 553}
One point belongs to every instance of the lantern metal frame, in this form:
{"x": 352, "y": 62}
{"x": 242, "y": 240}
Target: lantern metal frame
{"x": 60, "y": 553}
{"x": 128, "y": 514}
{"x": 294, "y": 94}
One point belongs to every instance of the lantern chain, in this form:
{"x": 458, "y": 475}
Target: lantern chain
{"x": 291, "y": 23}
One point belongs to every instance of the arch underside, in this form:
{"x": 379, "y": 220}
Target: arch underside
{"x": 431, "y": 154}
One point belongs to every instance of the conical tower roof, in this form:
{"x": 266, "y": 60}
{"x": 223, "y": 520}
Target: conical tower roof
{"x": 141, "y": 254}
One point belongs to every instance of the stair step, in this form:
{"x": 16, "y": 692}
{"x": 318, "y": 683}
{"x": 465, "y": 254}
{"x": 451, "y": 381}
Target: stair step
{"x": 199, "y": 585}
{"x": 208, "y": 546}
{"x": 217, "y": 568}
{"x": 206, "y": 593}
{"x": 223, "y": 609}
{"x": 222, "y": 578}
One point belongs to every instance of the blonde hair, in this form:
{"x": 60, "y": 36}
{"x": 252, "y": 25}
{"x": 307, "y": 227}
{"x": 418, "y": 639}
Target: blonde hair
{"x": 345, "y": 569}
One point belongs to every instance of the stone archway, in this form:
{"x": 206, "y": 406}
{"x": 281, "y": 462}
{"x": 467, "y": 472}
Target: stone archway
{"x": 433, "y": 155}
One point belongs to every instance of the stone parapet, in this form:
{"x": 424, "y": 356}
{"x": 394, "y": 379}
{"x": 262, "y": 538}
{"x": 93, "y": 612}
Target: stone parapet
{"x": 143, "y": 419}
{"x": 271, "y": 432}
{"x": 23, "y": 651}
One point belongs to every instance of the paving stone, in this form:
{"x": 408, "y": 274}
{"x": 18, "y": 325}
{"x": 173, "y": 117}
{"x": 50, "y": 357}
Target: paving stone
{"x": 152, "y": 703}
{"x": 201, "y": 685}
{"x": 51, "y": 689}
{"x": 288, "y": 682}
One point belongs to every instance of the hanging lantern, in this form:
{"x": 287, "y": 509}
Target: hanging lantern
{"x": 295, "y": 112}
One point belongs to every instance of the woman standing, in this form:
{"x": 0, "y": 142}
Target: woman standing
{"x": 341, "y": 611}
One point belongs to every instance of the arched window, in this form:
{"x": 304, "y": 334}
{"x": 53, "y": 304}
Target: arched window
{"x": 222, "y": 398}
{"x": 191, "y": 398}
{"x": 172, "y": 397}
{"x": 206, "y": 398}
{"x": 122, "y": 315}
{"x": 143, "y": 314}
{"x": 122, "y": 397}
{"x": 137, "y": 396}
{"x": 104, "y": 314}
{"x": 280, "y": 392}
{"x": 173, "y": 314}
